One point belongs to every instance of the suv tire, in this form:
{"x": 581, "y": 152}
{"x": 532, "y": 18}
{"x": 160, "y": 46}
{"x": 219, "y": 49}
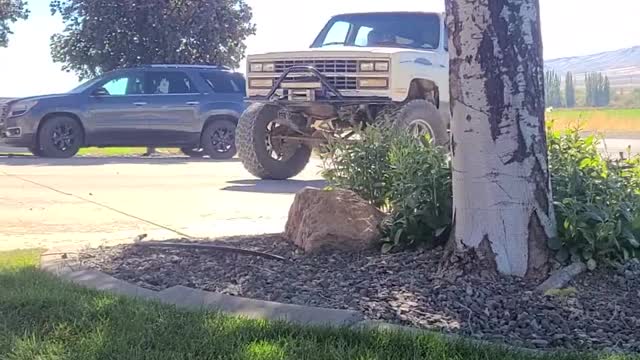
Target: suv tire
{"x": 35, "y": 150}
{"x": 60, "y": 137}
{"x": 419, "y": 113}
{"x": 192, "y": 152}
{"x": 253, "y": 151}
{"x": 218, "y": 139}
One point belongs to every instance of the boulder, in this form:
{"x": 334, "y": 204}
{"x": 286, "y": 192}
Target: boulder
{"x": 332, "y": 220}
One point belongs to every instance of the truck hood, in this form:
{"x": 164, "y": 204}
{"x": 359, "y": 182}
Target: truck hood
{"x": 336, "y": 51}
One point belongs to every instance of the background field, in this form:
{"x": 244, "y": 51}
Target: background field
{"x": 608, "y": 121}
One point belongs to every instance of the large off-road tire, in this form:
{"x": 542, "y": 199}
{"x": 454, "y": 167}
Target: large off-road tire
{"x": 60, "y": 137}
{"x": 253, "y": 148}
{"x": 218, "y": 139}
{"x": 418, "y": 117}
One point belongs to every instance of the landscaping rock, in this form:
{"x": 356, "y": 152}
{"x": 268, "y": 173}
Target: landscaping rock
{"x": 332, "y": 220}
{"x": 401, "y": 288}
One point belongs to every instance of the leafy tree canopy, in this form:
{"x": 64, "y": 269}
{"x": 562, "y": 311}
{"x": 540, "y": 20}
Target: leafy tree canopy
{"x": 101, "y": 35}
{"x": 10, "y": 12}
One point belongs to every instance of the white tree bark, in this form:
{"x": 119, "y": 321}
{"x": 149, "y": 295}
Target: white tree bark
{"x": 503, "y": 207}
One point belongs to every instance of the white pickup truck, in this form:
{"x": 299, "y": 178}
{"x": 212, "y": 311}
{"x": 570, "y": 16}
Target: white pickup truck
{"x": 362, "y": 69}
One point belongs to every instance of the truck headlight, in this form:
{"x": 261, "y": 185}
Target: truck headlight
{"x": 260, "y": 83}
{"x": 256, "y": 67}
{"x": 21, "y": 107}
{"x": 262, "y": 67}
{"x": 373, "y": 83}
{"x": 371, "y": 66}
{"x": 367, "y": 66}
{"x": 382, "y": 66}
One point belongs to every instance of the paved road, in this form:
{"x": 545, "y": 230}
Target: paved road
{"x": 78, "y": 202}
{"x": 81, "y": 201}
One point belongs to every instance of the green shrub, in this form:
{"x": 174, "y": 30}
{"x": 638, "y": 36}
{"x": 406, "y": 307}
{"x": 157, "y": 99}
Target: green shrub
{"x": 597, "y": 200}
{"x": 361, "y": 166}
{"x": 408, "y": 179}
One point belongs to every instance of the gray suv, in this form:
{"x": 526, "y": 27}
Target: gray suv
{"x": 194, "y": 108}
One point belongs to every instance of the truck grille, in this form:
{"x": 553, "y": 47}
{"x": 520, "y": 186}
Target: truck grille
{"x": 324, "y": 66}
{"x": 343, "y": 82}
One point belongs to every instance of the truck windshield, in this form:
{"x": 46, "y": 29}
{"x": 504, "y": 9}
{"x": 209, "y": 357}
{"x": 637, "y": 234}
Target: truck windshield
{"x": 405, "y": 30}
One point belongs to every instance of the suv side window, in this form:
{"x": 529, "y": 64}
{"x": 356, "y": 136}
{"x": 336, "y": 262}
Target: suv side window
{"x": 130, "y": 84}
{"x": 169, "y": 82}
{"x": 222, "y": 83}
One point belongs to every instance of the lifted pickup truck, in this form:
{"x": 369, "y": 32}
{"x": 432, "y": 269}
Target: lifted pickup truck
{"x": 362, "y": 69}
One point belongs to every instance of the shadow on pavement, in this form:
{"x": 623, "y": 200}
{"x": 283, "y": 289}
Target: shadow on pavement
{"x": 30, "y": 160}
{"x": 273, "y": 186}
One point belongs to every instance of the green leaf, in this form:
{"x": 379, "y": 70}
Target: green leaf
{"x": 397, "y": 238}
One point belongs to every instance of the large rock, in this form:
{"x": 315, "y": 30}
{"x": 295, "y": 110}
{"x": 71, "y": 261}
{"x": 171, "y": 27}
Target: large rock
{"x": 332, "y": 220}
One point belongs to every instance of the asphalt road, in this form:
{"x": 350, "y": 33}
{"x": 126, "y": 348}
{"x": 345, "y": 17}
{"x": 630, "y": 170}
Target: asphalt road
{"x": 105, "y": 201}
{"x": 95, "y": 201}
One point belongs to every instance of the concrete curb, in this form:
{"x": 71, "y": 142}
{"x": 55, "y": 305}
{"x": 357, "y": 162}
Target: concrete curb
{"x": 69, "y": 269}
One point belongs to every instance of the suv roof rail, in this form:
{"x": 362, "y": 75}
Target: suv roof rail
{"x": 212, "y": 67}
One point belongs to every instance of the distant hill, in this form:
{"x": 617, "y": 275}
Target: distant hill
{"x": 622, "y": 66}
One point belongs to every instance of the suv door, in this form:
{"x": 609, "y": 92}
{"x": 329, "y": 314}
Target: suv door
{"x": 117, "y": 111}
{"x": 173, "y": 108}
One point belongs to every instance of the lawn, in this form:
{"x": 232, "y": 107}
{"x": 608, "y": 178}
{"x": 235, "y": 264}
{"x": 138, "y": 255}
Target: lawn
{"x": 602, "y": 120}
{"x": 122, "y": 151}
{"x": 44, "y": 318}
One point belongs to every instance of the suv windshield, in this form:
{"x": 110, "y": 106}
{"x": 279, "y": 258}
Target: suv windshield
{"x": 406, "y": 30}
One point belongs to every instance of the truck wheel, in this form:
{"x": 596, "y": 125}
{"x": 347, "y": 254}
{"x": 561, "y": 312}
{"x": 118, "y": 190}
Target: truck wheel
{"x": 263, "y": 155}
{"x": 60, "y": 137}
{"x": 421, "y": 118}
{"x": 218, "y": 139}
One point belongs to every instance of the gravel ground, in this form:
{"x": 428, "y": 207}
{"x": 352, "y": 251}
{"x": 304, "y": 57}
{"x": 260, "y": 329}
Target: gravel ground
{"x": 603, "y": 313}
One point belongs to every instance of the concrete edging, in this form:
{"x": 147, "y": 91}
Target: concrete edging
{"x": 66, "y": 268}
{"x": 60, "y": 265}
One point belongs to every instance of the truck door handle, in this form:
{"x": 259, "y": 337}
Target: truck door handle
{"x": 193, "y": 103}
{"x": 139, "y": 103}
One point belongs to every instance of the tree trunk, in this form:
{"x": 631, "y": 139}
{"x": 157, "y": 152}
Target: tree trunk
{"x": 503, "y": 209}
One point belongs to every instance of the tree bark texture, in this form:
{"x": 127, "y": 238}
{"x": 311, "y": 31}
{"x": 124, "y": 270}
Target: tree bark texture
{"x": 503, "y": 209}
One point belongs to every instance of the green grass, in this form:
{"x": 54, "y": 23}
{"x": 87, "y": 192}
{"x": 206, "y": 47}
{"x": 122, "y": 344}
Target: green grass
{"x": 44, "y": 318}
{"x": 122, "y": 151}
{"x": 602, "y": 120}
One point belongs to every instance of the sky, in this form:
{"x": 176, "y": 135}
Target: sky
{"x": 569, "y": 28}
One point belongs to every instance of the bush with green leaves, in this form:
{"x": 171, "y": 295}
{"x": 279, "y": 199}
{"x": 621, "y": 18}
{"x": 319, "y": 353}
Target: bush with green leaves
{"x": 410, "y": 179}
{"x": 597, "y": 200}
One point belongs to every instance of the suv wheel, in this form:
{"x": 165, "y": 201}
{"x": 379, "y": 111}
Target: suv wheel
{"x": 218, "y": 139}
{"x": 35, "y": 150}
{"x": 262, "y": 153}
{"x": 191, "y": 152}
{"x": 60, "y": 137}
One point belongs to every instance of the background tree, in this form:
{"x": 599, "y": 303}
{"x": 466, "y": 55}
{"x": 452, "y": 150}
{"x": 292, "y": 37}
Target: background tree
{"x": 598, "y": 90}
{"x": 104, "y": 35}
{"x": 553, "y": 95}
{"x": 570, "y": 90}
{"x": 503, "y": 209}
{"x": 10, "y": 12}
